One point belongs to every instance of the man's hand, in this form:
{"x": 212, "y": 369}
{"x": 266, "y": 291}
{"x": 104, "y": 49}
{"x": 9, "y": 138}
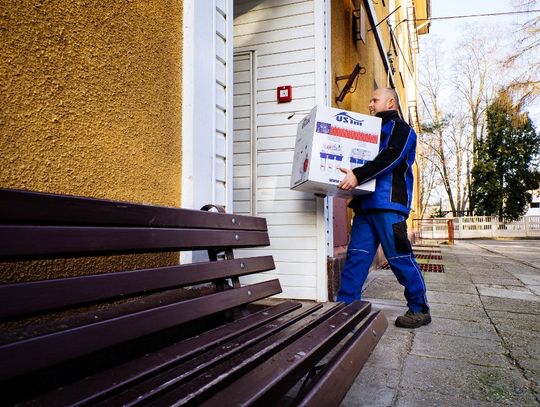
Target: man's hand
{"x": 349, "y": 182}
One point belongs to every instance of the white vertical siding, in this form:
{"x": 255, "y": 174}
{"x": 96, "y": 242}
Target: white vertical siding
{"x": 281, "y": 33}
{"x": 220, "y": 142}
{"x": 243, "y": 133}
{"x": 207, "y": 103}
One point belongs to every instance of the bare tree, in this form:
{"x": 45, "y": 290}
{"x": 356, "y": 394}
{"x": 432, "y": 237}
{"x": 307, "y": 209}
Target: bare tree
{"x": 458, "y": 142}
{"x": 523, "y": 62}
{"x": 473, "y": 80}
{"x": 428, "y": 172}
{"x": 434, "y": 127}
{"x": 454, "y": 115}
{"x": 456, "y": 98}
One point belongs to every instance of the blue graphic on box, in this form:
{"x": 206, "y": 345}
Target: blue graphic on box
{"x": 344, "y": 117}
{"x": 331, "y": 157}
{"x": 358, "y": 157}
{"x": 323, "y": 128}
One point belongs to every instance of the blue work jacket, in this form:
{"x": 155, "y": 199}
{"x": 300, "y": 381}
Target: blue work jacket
{"x": 392, "y": 168}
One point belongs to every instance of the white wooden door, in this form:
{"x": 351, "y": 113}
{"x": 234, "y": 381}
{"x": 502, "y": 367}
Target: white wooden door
{"x": 244, "y": 135}
{"x": 275, "y": 44}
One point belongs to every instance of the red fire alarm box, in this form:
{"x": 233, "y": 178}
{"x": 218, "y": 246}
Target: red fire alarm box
{"x": 284, "y": 93}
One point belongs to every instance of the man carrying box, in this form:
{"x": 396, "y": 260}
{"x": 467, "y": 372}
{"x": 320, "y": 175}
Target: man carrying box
{"x": 380, "y": 217}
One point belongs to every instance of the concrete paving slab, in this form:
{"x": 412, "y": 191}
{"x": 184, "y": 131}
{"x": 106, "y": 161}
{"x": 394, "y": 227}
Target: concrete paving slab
{"x": 376, "y": 387}
{"x": 535, "y": 289}
{"x": 525, "y": 251}
{"x": 531, "y": 370}
{"x": 453, "y": 298}
{"x": 452, "y": 287}
{"x": 517, "y": 288}
{"x": 522, "y": 267}
{"x": 460, "y": 312}
{"x": 453, "y": 269}
{"x": 513, "y": 320}
{"x": 483, "y": 345}
{"x": 522, "y": 344}
{"x": 384, "y": 289}
{"x": 529, "y": 278}
{"x": 487, "y": 279}
{"x": 518, "y": 293}
{"x": 391, "y": 308}
{"x": 491, "y": 269}
{"x": 392, "y": 349}
{"x": 451, "y": 377}
{"x": 516, "y": 320}
{"x": 387, "y": 303}
{"x": 463, "y": 328}
{"x": 420, "y": 398}
{"x": 477, "y": 351}
{"x": 446, "y": 277}
{"x": 385, "y": 275}
{"x": 511, "y": 305}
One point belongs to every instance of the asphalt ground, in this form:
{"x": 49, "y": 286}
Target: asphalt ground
{"x": 483, "y": 345}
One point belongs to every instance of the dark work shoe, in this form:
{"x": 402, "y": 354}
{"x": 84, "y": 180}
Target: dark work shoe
{"x": 413, "y": 319}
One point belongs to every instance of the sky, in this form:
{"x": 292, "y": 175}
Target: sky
{"x": 440, "y": 8}
{"x": 445, "y": 34}
{"x": 445, "y": 31}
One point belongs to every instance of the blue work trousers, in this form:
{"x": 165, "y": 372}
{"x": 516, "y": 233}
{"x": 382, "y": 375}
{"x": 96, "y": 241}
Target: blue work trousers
{"x": 390, "y": 230}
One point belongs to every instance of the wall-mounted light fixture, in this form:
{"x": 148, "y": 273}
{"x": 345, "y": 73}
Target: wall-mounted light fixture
{"x": 358, "y": 70}
{"x": 359, "y": 24}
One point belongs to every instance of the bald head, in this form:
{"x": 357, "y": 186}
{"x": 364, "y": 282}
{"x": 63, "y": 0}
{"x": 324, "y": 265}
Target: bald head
{"x": 383, "y": 99}
{"x": 390, "y": 94}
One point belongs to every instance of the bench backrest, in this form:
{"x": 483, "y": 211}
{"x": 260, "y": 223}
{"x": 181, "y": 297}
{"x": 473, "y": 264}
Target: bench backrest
{"x": 38, "y": 225}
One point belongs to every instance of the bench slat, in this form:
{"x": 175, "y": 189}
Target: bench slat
{"x": 23, "y": 298}
{"x": 18, "y": 206}
{"x": 33, "y": 353}
{"x": 331, "y": 385}
{"x": 100, "y": 385}
{"x": 277, "y": 331}
{"x": 263, "y": 385}
{"x": 200, "y": 388}
{"x": 30, "y": 241}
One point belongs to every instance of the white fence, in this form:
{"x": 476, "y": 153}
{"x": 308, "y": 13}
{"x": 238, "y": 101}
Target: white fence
{"x": 479, "y": 227}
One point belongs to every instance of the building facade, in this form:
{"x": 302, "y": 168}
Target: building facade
{"x": 174, "y": 103}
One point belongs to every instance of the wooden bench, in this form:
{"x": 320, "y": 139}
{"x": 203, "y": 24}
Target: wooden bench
{"x": 187, "y": 334}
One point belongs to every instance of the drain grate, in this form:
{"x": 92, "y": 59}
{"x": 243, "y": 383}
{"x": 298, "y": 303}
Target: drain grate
{"x": 424, "y": 267}
{"x": 428, "y": 256}
{"x": 432, "y": 268}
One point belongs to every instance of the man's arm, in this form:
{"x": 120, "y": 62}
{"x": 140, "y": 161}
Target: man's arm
{"x": 400, "y": 141}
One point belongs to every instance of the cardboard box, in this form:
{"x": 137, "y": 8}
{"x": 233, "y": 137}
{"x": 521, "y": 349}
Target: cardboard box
{"x": 327, "y": 139}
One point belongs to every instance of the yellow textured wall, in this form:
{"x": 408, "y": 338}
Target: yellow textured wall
{"x": 346, "y": 53}
{"x": 91, "y": 98}
{"x": 90, "y": 104}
